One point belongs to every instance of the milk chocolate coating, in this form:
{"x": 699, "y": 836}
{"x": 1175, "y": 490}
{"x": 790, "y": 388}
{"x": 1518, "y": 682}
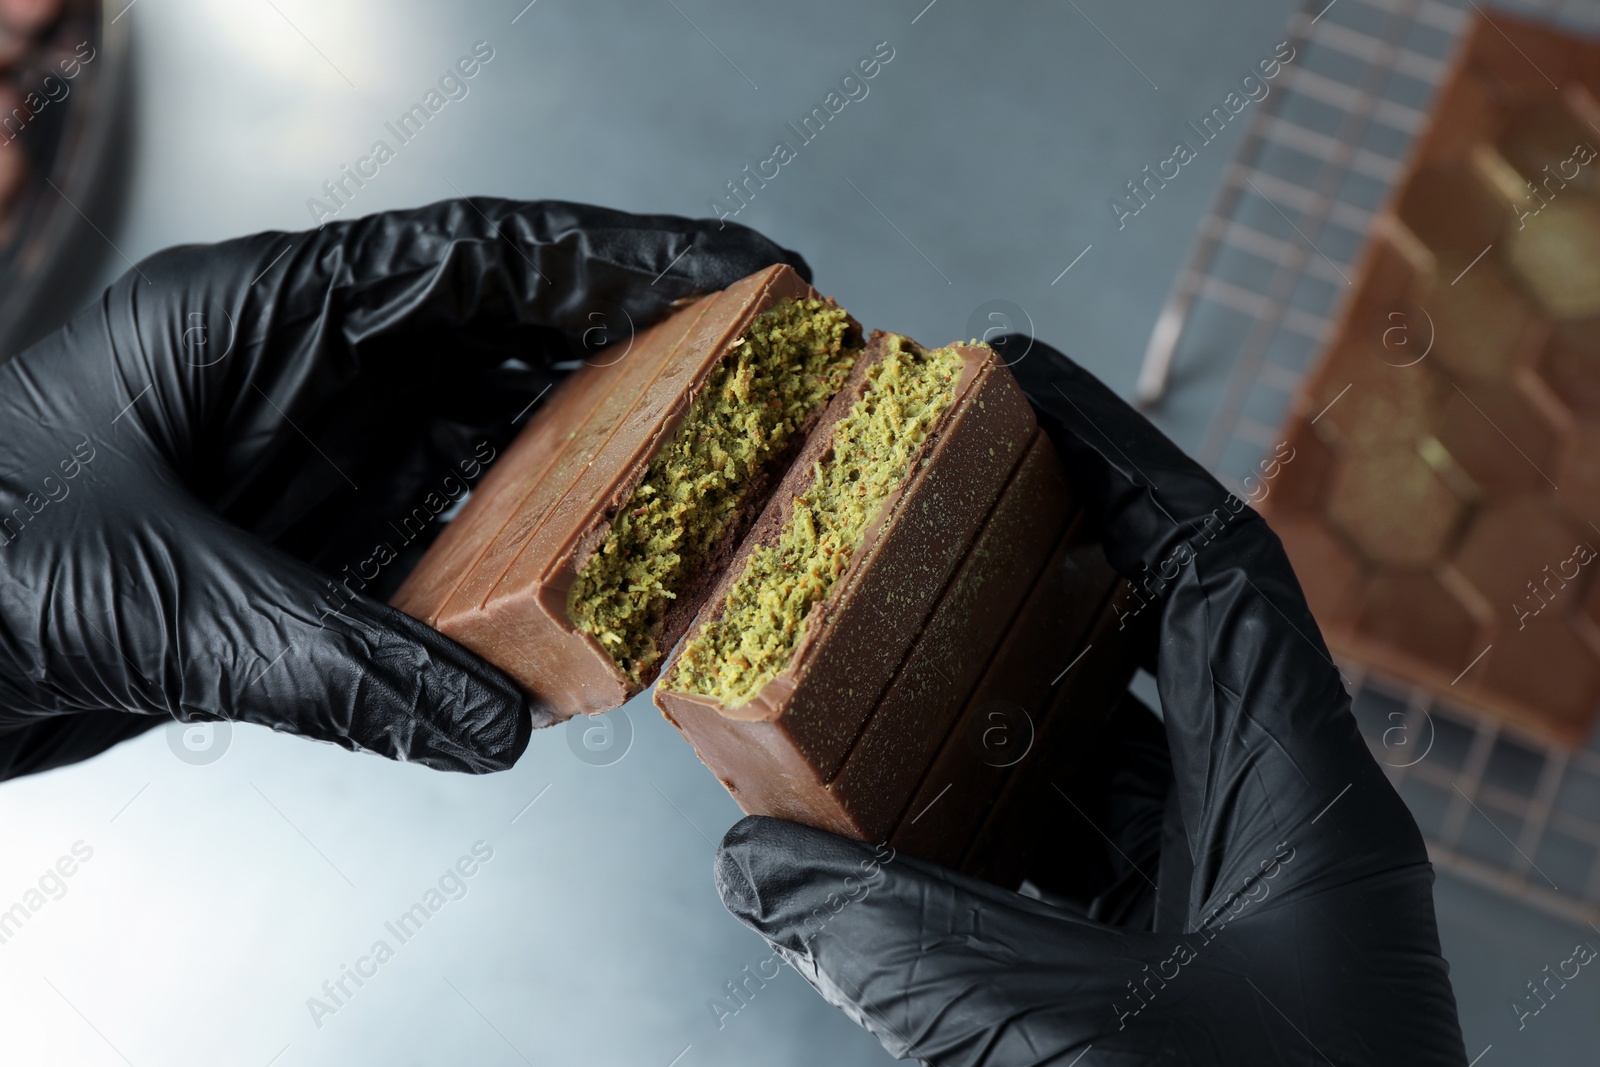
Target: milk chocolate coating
{"x": 1025, "y": 677}
{"x": 916, "y": 711}
{"x": 506, "y": 494}
{"x": 1022, "y": 818}
{"x": 777, "y": 752}
{"x": 497, "y": 580}
{"x": 865, "y": 798}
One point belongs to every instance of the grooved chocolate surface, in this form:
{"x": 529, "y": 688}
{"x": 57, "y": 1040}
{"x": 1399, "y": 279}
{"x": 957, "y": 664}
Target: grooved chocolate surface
{"x": 926, "y": 694}
{"x": 1006, "y": 710}
{"x": 1019, "y": 818}
{"x": 1018, "y": 609}
{"x": 770, "y": 775}
{"x": 855, "y": 639}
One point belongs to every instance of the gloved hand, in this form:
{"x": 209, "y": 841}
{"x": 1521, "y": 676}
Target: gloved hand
{"x": 1288, "y": 916}
{"x": 210, "y": 478}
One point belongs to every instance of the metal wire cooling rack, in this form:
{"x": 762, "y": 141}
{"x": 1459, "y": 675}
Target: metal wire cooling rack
{"x": 1498, "y": 807}
{"x": 1262, "y": 289}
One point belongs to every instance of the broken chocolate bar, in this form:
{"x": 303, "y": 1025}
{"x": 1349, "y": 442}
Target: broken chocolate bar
{"x": 865, "y": 550}
{"x": 584, "y": 554}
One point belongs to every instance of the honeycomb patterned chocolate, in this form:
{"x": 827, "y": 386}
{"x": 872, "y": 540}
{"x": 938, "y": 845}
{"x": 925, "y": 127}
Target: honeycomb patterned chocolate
{"x": 1443, "y": 505}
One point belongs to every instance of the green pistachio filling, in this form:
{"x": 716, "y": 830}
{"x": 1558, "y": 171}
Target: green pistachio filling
{"x": 764, "y": 616}
{"x": 792, "y": 359}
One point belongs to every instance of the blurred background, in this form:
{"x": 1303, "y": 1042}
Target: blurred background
{"x": 995, "y": 175}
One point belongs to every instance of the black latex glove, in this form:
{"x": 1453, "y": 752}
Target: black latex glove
{"x": 1292, "y": 919}
{"x": 190, "y": 465}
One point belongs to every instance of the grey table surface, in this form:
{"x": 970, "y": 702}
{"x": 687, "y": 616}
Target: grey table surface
{"x": 218, "y": 898}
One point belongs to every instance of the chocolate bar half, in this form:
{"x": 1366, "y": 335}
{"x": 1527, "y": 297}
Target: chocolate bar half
{"x": 798, "y": 643}
{"x": 585, "y": 552}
